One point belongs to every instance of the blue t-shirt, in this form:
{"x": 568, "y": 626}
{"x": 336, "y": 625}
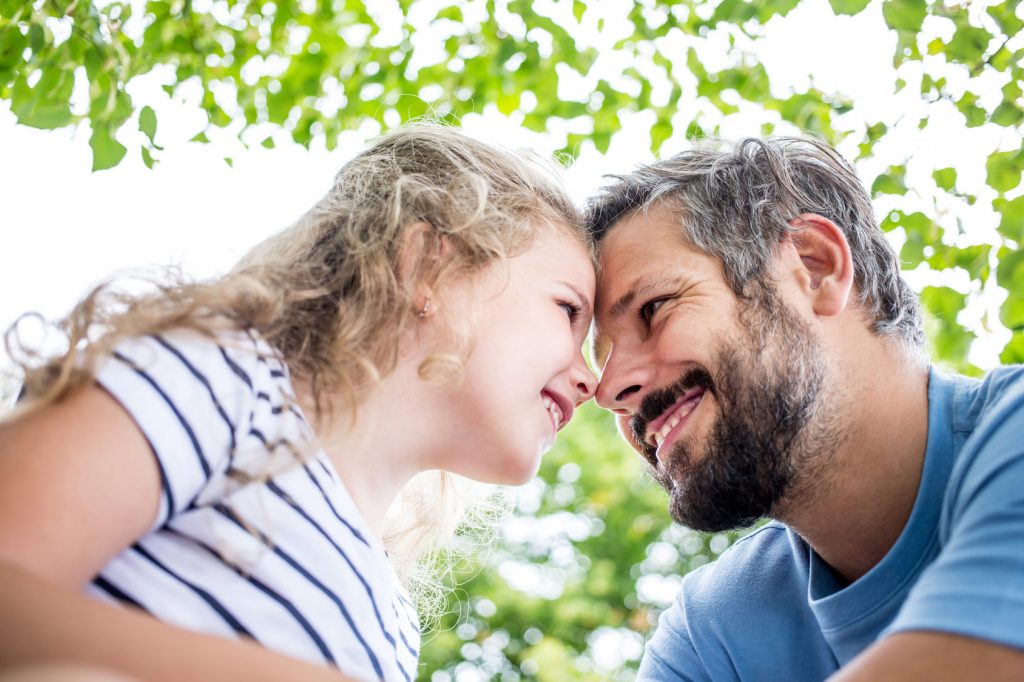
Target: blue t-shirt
{"x": 771, "y": 609}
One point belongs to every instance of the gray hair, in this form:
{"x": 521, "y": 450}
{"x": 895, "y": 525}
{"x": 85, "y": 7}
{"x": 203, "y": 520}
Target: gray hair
{"x": 735, "y": 203}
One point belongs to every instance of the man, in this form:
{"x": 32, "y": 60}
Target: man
{"x": 765, "y": 357}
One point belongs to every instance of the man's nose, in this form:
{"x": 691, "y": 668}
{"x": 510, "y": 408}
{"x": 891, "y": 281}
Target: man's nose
{"x": 622, "y": 383}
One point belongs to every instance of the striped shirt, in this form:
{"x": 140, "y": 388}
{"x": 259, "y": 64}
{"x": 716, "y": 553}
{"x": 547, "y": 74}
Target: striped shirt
{"x": 256, "y": 535}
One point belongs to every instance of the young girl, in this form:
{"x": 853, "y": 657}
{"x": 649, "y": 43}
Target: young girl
{"x": 220, "y": 456}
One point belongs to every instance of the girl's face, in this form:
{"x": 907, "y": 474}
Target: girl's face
{"x": 526, "y": 372}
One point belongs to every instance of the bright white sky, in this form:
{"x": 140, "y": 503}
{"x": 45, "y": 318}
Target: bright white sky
{"x": 63, "y": 228}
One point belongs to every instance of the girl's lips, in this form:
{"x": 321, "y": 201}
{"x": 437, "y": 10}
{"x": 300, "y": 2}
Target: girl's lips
{"x": 563, "y": 405}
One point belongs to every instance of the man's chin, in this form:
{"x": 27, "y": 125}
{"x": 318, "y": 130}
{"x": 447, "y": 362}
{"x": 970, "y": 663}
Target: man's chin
{"x": 699, "y": 501}
{"x": 710, "y": 520}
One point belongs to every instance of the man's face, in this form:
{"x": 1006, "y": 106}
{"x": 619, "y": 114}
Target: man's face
{"x": 722, "y": 397}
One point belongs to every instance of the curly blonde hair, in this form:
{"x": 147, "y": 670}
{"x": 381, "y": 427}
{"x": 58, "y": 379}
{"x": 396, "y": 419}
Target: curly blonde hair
{"x": 329, "y": 292}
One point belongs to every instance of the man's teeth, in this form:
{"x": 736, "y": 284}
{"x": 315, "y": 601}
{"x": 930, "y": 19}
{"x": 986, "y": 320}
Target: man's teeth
{"x": 684, "y": 409}
{"x": 554, "y": 409}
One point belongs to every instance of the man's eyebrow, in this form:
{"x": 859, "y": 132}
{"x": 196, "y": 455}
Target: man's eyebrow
{"x": 642, "y": 288}
{"x": 622, "y": 303}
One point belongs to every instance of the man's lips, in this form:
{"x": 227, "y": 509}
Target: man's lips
{"x": 560, "y": 407}
{"x": 658, "y": 429}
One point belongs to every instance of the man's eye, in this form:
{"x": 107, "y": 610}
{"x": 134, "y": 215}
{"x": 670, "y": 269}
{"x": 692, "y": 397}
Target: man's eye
{"x": 647, "y": 310}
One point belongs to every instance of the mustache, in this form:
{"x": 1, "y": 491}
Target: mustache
{"x": 657, "y": 401}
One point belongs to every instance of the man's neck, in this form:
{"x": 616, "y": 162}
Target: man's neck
{"x": 872, "y": 481}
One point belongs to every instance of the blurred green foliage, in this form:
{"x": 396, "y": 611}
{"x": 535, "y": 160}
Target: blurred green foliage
{"x": 582, "y": 569}
{"x": 312, "y": 69}
{"x": 588, "y": 559}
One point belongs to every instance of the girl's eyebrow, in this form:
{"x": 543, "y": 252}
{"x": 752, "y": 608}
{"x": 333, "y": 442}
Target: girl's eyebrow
{"x": 588, "y": 307}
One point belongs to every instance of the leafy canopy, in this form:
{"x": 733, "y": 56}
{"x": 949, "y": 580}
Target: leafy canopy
{"x": 580, "y": 70}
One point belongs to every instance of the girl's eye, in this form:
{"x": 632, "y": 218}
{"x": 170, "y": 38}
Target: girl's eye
{"x": 647, "y": 310}
{"x": 572, "y": 310}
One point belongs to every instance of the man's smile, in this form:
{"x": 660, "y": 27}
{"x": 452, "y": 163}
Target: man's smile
{"x": 666, "y": 429}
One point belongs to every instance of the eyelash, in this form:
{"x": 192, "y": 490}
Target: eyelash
{"x": 647, "y": 310}
{"x": 572, "y": 310}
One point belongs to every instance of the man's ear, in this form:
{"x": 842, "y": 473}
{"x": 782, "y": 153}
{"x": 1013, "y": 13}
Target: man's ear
{"x": 825, "y": 272}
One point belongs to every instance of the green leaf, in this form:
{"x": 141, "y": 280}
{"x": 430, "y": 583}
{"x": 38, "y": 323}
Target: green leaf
{"x": 578, "y": 9}
{"x": 1007, "y": 114}
{"x": 268, "y": 142}
{"x": 12, "y": 46}
{"x": 945, "y": 178}
{"x": 968, "y": 44}
{"x": 1010, "y": 276}
{"x": 973, "y": 259}
{"x": 950, "y": 342}
{"x": 872, "y": 134}
{"x": 229, "y": 161}
{"x": 660, "y": 131}
{"x": 200, "y": 137}
{"x": 1004, "y": 169}
{"x": 893, "y": 181}
{"x": 452, "y": 13}
{"x": 1006, "y": 16}
{"x": 734, "y": 11}
{"x": 904, "y": 15}
{"x": 974, "y": 115}
{"x": 47, "y": 105}
{"x": 1011, "y": 223}
{"x": 921, "y": 231}
{"x": 36, "y": 37}
{"x": 848, "y": 6}
{"x": 107, "y": 152}
{"x": 1003, "y": 59}
{"x": 147, "y": 123}
{"x": 147, "y": 157}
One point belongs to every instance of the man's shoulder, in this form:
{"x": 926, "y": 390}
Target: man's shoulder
{"x": 728, "y": 613}
{"x": 999, "y": 392}
{"x": 990, "y": 421}
{"x": 764, "y": 566}
{"x": 1003, "y": 387}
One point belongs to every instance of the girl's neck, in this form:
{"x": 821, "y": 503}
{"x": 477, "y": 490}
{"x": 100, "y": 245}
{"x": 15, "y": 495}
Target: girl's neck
{"x": 375, "y": 454}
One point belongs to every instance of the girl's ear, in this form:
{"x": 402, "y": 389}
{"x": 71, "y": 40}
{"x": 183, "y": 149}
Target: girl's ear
{"x": 420, "y": 255}
{"x": 825, "y": 272}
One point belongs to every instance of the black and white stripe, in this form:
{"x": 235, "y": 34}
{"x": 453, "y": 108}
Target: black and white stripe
{"x": 285, "y": 559}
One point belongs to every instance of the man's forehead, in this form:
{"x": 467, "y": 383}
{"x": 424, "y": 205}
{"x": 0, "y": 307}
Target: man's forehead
{"x": 632, "y": 263}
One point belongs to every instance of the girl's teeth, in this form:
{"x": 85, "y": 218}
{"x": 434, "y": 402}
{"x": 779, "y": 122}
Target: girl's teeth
{"x": 554, "y": 409}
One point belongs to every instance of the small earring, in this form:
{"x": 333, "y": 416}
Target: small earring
{"x": 424, "y": 310}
